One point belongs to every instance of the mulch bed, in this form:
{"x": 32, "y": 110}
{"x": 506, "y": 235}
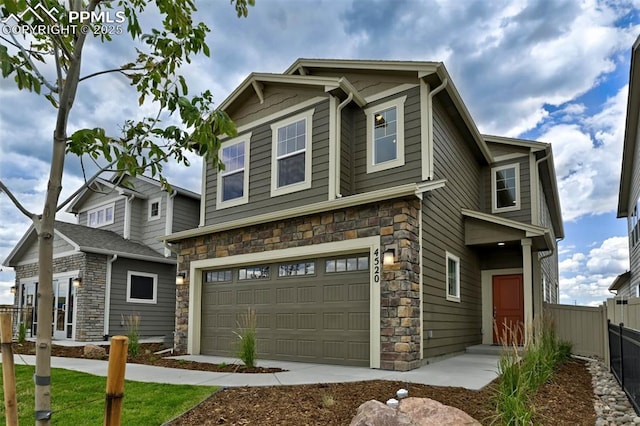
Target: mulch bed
{"x": 147, "y": 356}
{"x": 566, "y": 400}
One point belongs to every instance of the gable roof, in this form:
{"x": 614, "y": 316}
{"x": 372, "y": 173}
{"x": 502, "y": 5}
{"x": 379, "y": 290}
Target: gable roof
{"x": 630, "y": 133}
{"x": 434, "y": 72}
{"x": 115, "y": 184}
{"x": 301, "y": 73}
{"x": 547, "y": 175}
{"x": 89, "y": 240}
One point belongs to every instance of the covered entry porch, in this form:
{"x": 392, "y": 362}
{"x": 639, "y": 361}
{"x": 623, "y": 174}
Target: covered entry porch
{"x": 510, "y": 254}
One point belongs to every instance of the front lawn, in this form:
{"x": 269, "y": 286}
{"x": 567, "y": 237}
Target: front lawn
{"x": 78, "y": 399}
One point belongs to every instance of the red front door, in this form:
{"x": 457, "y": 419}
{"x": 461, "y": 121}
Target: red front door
{"x": 508, "y": 309}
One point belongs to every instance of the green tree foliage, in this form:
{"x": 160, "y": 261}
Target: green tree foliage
{"x": 46, "y": 61}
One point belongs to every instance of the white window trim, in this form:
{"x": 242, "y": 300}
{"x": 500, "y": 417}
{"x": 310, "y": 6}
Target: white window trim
{"x": 494, "y": 198}
{"x": 149, "y": 204}
{"x": 456, "y": 259}
{"x": 155, "y": 287}
{"x": 102, "y": 207}
{"x": 308, "y": 154}
{"x": 398, "y": 103}
{"x": 220, "y": 204}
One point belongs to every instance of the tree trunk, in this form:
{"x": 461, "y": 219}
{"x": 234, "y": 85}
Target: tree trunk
{"x": 45, "y": 229}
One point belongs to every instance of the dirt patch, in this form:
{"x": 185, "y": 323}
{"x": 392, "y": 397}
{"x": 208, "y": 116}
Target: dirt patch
{"x": 568, "y": 399}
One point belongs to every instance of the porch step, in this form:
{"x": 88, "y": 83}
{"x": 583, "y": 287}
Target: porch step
{"x": 484, "y": 350}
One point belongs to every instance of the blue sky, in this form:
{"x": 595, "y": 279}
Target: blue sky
{"x": 555, "y": 71}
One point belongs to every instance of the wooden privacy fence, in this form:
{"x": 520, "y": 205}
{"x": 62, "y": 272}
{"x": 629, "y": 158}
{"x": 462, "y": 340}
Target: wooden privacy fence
{"x": 624, "y": 311}
{"x": 584, "y": 326}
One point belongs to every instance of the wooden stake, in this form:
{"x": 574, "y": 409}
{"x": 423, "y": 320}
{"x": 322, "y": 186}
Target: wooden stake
{"x": 115, "y": 380}
{"x": 8, "y": 371}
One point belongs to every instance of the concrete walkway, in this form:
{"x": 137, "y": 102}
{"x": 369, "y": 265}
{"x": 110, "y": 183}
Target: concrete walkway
{"x": 471, "y": 371}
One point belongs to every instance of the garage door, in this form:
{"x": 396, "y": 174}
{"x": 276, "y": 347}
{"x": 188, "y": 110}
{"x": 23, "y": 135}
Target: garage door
{"x": 315, "y": 310}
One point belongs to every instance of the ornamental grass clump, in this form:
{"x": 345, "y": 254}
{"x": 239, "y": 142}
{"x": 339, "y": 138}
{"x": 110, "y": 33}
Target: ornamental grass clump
{"x": 524, "y": 369}
{"x": 132, "y": 323}
{"x": 247, "y": 340}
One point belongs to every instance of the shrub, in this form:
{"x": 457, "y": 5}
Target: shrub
{"x": 246, "y": 345}
{"x": 22, "y": 333}
{"x": 132, "y": 323}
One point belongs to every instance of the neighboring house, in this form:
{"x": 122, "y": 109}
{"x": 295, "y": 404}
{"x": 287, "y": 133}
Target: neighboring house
{"x": 365, "y": 219}
{"x": 622, "y": 286}
{"x": 629, "y": 193}
{"x": 114, "y": 249}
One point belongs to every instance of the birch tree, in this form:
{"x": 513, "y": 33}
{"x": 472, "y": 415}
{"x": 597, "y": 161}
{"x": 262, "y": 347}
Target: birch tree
{"x": 38, "y": 36}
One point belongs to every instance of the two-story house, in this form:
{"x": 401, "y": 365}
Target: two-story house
{"x": 111, "y": 263}
{"x": 629, "y": 192}
{"x": 366, "y": 220}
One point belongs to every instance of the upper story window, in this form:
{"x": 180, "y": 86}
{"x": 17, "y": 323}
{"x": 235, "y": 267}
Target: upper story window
{"x": 101, "y": 216}
{"x": 142, "y": 287}
{"x": 291, "y": 154}
{"x": 233, "y": 181}
{"x": 453, "y": 277}
{"x": 385, "y": 135}
{"x": 505, "y": 187}
{"x": 154, "y": 209}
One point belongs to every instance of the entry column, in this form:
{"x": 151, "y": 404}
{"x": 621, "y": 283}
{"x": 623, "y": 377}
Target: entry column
{"x": 527, "y": 282}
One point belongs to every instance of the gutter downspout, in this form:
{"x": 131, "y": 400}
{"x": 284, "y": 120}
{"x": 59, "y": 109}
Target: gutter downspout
{"x": 537, "y": 181}
{"x": 127, "y": 217}
{"x": 107, "y": 296}
{"x": 427, "y": 171}
{"x": 168, "y": 224}
{"x": 337, "y": 159}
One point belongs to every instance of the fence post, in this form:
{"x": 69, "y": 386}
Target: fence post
{"x": 8, "y": 370}
{"x": 115, "y": 380}
{"x": 621, "y": 358}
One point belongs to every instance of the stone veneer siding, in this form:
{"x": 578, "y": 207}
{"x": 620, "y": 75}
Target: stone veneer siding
{"x": 395, "y": 221}
{"x": 89, "y": 296}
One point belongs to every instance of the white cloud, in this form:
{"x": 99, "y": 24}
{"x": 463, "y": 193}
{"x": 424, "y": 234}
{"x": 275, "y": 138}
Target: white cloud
{"x": 586, "y": 278}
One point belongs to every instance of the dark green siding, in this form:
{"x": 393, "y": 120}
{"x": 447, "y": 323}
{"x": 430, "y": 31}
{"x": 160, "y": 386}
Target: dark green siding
{"x": 454, "y": 326}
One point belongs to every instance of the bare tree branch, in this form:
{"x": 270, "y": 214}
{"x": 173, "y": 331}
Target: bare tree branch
{"x": 3, "y": 188}
{"x": 120, "y": 70}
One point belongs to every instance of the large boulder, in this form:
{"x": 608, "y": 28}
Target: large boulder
{"x": 375, "y": 413}
{"x": 427, "y": 412}
{"x": 411, "y": 412}
{"x": 94, "y": 352}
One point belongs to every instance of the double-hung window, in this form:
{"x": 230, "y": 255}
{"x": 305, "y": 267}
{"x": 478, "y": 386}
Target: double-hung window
{"x": 385, "y": 135}
{"x": 453, "y": 277}
{"x": 154, "y": 209}
{"x": 233, "y": 181}
{"x": 505, "y": 188}
{"x": 291, "y": 154}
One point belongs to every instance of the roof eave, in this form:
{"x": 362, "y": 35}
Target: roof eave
{"x": 630, "y": 133}
{"x": 464, "y": 113}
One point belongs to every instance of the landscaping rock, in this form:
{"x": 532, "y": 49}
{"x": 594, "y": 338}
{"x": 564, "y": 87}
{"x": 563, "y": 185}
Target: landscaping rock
{"x": 411, "y": 412}
{"x": 427, "y": 412}
{"x": 94, "y": 352}
{"x": 375, "y": 413}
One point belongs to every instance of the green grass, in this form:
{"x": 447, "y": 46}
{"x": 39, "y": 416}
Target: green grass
{"x": 78, "y": 399}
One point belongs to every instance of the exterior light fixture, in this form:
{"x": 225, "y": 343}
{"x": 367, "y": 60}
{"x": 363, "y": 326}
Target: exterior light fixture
{"x": 76, "y": 282}
{"x": 180, "y": 278}
{"x": 389, "y": 256}
{"x": 501, "y": 244}
{"x": 13, "y": 290}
